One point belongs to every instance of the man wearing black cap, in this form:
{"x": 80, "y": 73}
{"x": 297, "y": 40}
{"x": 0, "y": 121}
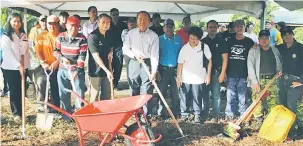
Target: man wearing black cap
{"x": 238, "y": 46}
{"x": 169, "y": 48}
{"x": 116, "y": 28}
{"x": 291, "y": 82}
{"x": 156, "y": 27}
{"x": 263, "y": 63}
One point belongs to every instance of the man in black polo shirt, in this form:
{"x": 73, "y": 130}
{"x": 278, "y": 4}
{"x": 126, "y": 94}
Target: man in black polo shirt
{"x": 100, "y": 51}
{"x": 156, "y": 27}
{"x": 219, "y": 51}
{"x": 116, "y": 28}
{"x": 291, "y": 82}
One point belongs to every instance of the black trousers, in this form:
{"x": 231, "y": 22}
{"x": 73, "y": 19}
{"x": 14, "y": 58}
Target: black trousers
{"x": 14, "y": 82}
{"x": 117, "y": 64}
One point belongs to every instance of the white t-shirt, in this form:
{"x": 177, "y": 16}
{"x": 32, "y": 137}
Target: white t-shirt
{"x": 193, "y": 71}
{"x": 252, "y": 36}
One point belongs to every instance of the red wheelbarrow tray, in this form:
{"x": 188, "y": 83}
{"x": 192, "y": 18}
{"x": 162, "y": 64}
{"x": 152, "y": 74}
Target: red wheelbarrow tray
{"x": 108, "y": 116}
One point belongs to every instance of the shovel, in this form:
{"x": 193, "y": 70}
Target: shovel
{"x": 45, "y": 120}
{"x": 111, "y": 81}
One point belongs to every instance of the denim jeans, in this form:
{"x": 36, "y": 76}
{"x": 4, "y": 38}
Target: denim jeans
{"x": 215, "y": 92}
{"x": 64, "y": 82}
{"x": 236, "y": 91}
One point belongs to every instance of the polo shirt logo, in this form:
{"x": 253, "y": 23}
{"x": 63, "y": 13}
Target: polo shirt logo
{"x": 217, "y": 45}
{"x": 294, "y": 56}
{"x": 100, "y": 43}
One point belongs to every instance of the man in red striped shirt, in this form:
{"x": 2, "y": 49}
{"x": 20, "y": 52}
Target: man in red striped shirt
{"x": 70, "y": 50}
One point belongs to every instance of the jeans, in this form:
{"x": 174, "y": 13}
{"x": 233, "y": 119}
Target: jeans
{"x": 215, "y": 92}
{"x": 64, "y": 82}
{"x": 197, "y": 91}
{"x": 168, "y": 77}
{"x": 236, "y": 100}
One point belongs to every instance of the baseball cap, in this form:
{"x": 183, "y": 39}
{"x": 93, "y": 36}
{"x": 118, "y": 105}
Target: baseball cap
{"x": 281, "y": 24}
{"x": 42, "y": 17}
{"x": 264, "y": 33}
{"x": 239, "y": 22}
{"x": 52, "y": 18}
{"x": 286, "y": 30}
{"x": 169, "y": 21}
{"x": 73, "y": 20}
{"x": 131, "y": 19}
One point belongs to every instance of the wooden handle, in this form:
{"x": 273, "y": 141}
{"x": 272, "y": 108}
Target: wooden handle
{"x": 111, "y": 81}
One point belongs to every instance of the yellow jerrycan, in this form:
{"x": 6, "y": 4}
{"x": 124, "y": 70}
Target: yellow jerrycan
{"x": 277, "y": 124}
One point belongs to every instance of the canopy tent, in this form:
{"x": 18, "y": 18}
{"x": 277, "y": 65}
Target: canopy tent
{"x": 175, "y": 9}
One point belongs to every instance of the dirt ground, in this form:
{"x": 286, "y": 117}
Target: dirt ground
{"x": 65, "y": 133}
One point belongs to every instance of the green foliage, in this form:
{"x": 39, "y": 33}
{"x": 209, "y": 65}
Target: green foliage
{"x": 299, "y": 34}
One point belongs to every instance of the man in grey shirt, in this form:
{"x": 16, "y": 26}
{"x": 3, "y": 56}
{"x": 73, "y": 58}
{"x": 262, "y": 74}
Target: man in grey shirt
{"x": 263, "y": 63}
{"x": 142, "y": 44}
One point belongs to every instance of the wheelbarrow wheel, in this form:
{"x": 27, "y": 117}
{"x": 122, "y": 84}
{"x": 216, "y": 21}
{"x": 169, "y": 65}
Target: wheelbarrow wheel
{"x": 134, "y": 131}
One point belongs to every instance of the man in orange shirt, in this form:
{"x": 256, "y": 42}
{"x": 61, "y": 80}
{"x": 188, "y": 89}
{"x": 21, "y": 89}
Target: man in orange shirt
{"x": 44, "y": 47}
{"x": 183, "y": 32}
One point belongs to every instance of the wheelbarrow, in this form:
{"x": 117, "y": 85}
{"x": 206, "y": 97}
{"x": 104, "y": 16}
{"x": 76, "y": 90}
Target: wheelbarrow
{"x": 107, "y": 117}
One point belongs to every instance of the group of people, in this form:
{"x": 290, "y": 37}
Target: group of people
{"x": 190, "y": 66}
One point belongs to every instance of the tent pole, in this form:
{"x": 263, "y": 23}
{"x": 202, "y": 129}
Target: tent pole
{"x": 263, "y": 15}
{"x": 25, "y": 20}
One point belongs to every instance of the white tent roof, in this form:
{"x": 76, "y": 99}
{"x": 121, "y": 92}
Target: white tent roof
{"x": 175, "y": 9}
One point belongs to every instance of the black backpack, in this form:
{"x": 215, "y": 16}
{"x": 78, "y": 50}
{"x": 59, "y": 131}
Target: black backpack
{"x": 205, "y": 60}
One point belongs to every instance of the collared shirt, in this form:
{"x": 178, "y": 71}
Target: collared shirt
{"x": 144, "y": 44}
{"x": 32, "y": 38}
{"x": 45, "y": 47}
{"x": 217, "y": 46}
{"x": 101, "y": 44}
{"x": 124, "y": 34}
{"x": 184, "y": 35}
{"x": 193, "y": 71}
{"x": 158, "y": 30}
{"x": 169, "y": 49}
{"x": 13, "y": 50}
{"x": 116, "y": 31}
{"x": 252, "y": 36}
{"x": 89, "y": 27}
{"x": 292, "y": 59}
{"x": 74, "y": 49}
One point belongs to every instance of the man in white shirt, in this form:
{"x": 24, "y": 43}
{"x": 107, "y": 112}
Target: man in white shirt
{"x": 142, "y": 44}
{"x": 192, "y": 75}
{"x": 91, "y": 24}
{"x": 249, "y": 32}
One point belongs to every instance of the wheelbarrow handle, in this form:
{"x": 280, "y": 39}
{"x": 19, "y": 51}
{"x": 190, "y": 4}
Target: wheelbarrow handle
{"x": 55, "y": 108}
{"x": 77, "y": 96}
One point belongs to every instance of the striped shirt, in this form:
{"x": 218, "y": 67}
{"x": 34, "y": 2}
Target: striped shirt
{"x": 74, "y": 49}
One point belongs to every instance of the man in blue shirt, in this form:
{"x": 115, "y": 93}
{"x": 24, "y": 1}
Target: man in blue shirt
{"x": 169, "y": 48}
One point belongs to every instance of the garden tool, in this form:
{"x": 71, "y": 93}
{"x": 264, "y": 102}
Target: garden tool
{"x": 111, "y": 81}
{"x": 44, "y": 119}
{"x": 231, "y": 129}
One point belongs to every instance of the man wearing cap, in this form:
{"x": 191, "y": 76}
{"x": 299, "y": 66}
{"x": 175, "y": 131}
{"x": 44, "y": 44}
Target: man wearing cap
{"x": 169, "y": 48}
{"x": 219, "y": 51}
{"x": 142, "y": 44}
{"x": 70, "y": 50}
{"x": 238, "y": 46}
{"x": 156, "y": 27}
{"x": 275, "y": 38}
{"x": 229, "y": 32}
{"x": 44, "y": 47}
{"x": 183, "y": 32}
{"x": 100, "y": 51}
{"x": 63, "y": 16}
{"x": 117, "y": 26}
{"x": 131, "y": 24}
{"x": 291, "y": 83}
{"x": 263, "y": 63}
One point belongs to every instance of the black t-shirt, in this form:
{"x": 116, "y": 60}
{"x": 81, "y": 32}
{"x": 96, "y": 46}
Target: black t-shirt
{"x": 267, "y": 62}
{"x": 98, "y": 43}
{"x": 116, "y": 31}
{"x": 217, "y": 46}
{"x": 237, "y": 57}
{"x": 158, "y": 30}
{"x": 227, "y": 35}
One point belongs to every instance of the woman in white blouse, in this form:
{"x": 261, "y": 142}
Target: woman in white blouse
{"x": 15, "y": 60}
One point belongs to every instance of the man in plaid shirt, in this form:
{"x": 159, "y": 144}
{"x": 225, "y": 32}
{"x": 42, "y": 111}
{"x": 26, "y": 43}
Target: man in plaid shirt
{"x": 70, "y": 50}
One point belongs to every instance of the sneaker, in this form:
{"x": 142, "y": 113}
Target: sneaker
{"x": 17, "y": 118}
{"x": 197, "y": 119}
{"x": 215, "y": 119}
{"x": 183, "y": 119}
